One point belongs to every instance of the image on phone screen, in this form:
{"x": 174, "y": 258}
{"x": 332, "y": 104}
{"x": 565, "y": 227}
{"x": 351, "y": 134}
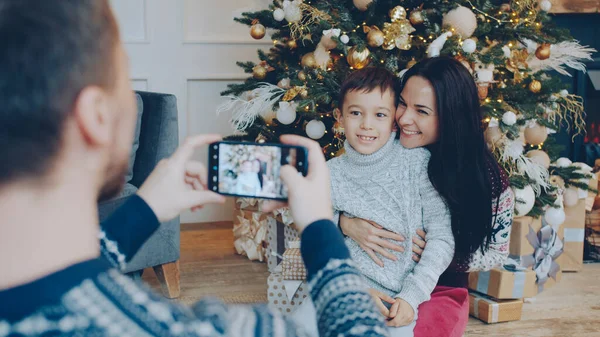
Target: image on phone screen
{"x": 253, "y": 170}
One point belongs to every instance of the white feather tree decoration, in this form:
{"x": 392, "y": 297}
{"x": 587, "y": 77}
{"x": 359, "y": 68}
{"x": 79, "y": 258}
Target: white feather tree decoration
{"x": 567, "y": 53}
{"x": 535, "y": 172}
{"x": 244, "y": 111}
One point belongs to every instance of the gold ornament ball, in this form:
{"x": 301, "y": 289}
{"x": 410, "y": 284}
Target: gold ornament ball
{"x": 259, "y": 72}
{"x": 536, "y": 135}
{"x": 292, "y": 44}
{"x": 505, "y": 7}
{"x": 302, "y": 76}
{"x": 492, "y": 135}
{"x": 304, "y": 93}
{"x": 416, "y": 17}
{"x": 540, "y": 157}
{"x": 543, "y": 51}
{"x": 397, "y": 13}
{"x": 309, "y": 61}
{"x": 358, "y": 59}
{"x": 375, "y": 38}
{"x": 257, "y": 31}
{"x": 411, "y": 63}
{"x": 361, "y": 4}
{"x": 482, "y": 90}
{"x": 535, "y": 86}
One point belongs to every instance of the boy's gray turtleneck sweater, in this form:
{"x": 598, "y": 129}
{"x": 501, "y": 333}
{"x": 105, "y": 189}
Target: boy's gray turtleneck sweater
{"x": 391, "y": 187}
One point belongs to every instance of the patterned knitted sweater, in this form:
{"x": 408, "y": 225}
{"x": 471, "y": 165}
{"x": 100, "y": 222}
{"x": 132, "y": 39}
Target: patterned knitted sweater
{"x": 93, "y": 298}
{"x": 391, "y": 187}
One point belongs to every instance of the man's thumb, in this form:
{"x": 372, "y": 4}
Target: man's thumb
{"x": 290, "y": 176}
{"x": 201, "y": 198}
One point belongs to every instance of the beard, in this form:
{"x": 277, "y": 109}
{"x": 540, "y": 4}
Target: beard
{"x": 115, "y": 180}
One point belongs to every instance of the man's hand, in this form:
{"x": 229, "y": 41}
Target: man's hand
{"x": 401, "y": 314}
{"x": 309, "y": 197}
{"x": 179, "y": 183}
{"x": 379, "y": 297}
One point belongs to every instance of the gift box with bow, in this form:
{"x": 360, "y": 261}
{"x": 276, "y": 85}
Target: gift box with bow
{"x": 519, "y": 245}
{"x": 292, "y": 265}
{"x": 507, "y": 282}
{"x": 492, "y": 310}
{"x": 250, "y": 234}
{"x": 547, "y": 248}
{"x": 285, "y": 295}
{"x": 248, "y": 204}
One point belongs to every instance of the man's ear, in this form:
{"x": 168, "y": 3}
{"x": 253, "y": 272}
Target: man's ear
{"x": 92, "y": 114}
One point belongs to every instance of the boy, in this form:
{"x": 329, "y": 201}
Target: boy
{"x": 247, "y": 181}
{"x": 380, "y": 181}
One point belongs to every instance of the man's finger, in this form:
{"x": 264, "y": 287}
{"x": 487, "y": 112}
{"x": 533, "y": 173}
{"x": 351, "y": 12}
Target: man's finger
{"x": 201, "y": 198}
{"x": 382, "y": 251}
{"x": 197, "y": 169}
{"x": 316, "y": 160}
{"x": 372, "y": 256}
{"x": 269, "y": 206}
{"x": 290, "y": 177}
{"x": 186, "y": 150}
{"x": 417, "y": 250}
{"x": 416, "y": 258}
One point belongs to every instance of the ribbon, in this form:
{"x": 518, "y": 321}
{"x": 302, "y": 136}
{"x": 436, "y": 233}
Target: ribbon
{"x": 547, "y": 247}
{"x": 334, "y": 31}
{"x": 286, "y": 215}
{"x": 574, "y": 234}
{"x": 247, "y": 202}
{"x": 249, "y": 236}
{"x": 493, "y": 306}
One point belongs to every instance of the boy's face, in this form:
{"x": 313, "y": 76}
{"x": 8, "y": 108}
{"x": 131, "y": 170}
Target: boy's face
{"x": 368, "y": 119}
{"x": 247, "y": 166}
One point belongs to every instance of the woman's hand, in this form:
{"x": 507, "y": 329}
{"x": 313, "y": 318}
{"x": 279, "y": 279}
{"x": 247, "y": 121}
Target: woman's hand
{"x": 401, "y": 314}
{"x": 419, "y": 243}
{"x": 371, "y": 238}
{"x": 379, "y": 297}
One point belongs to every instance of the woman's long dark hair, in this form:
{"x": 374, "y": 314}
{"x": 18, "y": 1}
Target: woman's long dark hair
{"x": 461, "y": 167}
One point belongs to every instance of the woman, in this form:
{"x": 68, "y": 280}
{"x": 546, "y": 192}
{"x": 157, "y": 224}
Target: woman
{"x": 439, "y": 109}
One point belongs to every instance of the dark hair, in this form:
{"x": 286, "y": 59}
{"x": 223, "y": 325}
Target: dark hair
{"x": 367, "y": 80}
{"x": 461, "y": 167}
{"x": 51, "y": 50}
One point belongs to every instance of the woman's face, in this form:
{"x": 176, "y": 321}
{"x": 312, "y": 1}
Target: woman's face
{"x": 417, "y": 114}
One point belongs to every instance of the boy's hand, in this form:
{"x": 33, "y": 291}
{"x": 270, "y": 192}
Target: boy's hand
{"x": 379, "y": 297}
{"x": 401, "y": 314}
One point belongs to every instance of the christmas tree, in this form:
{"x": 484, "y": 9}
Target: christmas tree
{"x": 513, "y": 50}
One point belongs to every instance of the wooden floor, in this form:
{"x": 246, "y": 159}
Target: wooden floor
{"x": 209, "y": 266}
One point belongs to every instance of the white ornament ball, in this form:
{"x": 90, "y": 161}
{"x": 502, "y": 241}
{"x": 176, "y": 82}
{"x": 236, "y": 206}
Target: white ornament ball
{"x": 315, "y": 129}
{"x": 563, "y": 162}
{"x": 278, "y": 14}
{"x": 571, "y": 197}
{"x": 469, "y": 46}
{"x": 293, "y": 13}
{"x": 462, "y": 19}
{"x": 555, "y": 216}
{"x": 545, "y": 5}
{"x": 564, "y": 93}
{"x": 540, "y": 157}
{"x": 509, "y": 118}
{"x": 286, "y": 115}
{"x": 506, "y": 51}
{"x": 525, "y": 199}
{"x": 345, "y": 39}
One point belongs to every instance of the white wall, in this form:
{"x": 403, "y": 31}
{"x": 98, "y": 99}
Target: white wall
{"x": 189, "y": 48}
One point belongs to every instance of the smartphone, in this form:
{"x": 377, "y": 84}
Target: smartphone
{"x": 244, "y": 169}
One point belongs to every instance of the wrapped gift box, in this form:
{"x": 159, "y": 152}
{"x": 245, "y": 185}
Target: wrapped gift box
{"x": 548, "y": 257}
{"x": 250, "y": 234}
{"x": 285, "y": 295}
{"x": 248, "y": 204}
{"x": 520, "y": 246}
{"x": 292, "y": 266}
{"x": 278, "y": 236}
{"x": 492, "y": 310}
{"x": 503, "y": 284}
{"x": 573, "y": 235}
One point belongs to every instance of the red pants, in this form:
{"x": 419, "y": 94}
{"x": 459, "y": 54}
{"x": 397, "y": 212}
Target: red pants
{"x": 445, "y": 315}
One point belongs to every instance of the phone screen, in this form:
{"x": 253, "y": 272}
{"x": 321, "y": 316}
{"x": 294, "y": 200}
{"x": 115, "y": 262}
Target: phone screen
{"x": 253, "y": 170}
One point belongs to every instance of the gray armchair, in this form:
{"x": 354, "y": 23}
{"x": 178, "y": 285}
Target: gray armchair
{"x": 156, "y": 138}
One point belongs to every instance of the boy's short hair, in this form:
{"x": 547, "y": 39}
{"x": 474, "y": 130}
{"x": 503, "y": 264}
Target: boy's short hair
{"x": 367, "y": 80}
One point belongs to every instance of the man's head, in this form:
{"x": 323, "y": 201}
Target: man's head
{"x": 367, "y": 103}
{"x": 65, "y": 92}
